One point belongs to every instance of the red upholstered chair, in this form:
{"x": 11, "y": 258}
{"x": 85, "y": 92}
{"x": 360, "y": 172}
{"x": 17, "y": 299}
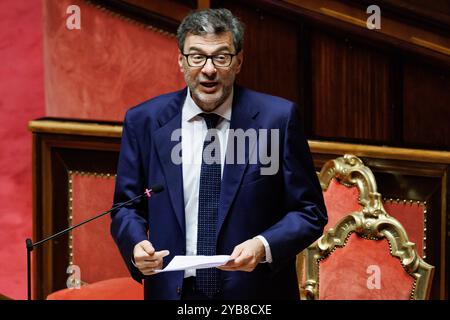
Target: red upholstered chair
{"x": 103, "y": 273}
{"x": 364, "y": 253}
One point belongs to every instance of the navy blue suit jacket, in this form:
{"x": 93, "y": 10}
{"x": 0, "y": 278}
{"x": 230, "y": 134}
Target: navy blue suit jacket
{"x": 286, "y": 208}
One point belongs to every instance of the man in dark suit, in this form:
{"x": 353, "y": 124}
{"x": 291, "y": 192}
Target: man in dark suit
{"x": 237, "y": 172}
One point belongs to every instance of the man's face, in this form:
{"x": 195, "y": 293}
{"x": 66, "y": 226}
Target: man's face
{"x": 210, "y": 85}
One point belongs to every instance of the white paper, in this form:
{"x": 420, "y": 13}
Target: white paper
{"x": 195, "y": 262}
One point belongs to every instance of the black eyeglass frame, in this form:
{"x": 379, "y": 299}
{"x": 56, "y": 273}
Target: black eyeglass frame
{"x": 232, "y": 55}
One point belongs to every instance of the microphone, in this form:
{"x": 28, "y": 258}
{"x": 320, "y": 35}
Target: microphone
{"x": 30, "y": 245}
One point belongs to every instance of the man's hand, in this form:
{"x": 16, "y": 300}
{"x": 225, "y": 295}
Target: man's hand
{"x": 246, "y": 256}
{"x": 146, "y": 259}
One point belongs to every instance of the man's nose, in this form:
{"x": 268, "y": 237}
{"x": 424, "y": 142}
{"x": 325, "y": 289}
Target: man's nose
{"x": 209, "y": 69}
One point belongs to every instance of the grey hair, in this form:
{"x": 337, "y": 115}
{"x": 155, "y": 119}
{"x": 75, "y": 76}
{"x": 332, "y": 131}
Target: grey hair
{"x": 215, "y": 21}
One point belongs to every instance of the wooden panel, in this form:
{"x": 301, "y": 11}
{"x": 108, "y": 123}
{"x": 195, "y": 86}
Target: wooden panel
{"x": 352, "y": 90}
{"x": 412, "y": 174}
{"x": 271, "y": 55}
{"x": 55, "y": 152}
{"x": 426, "y": 108}
{"x": 433, "y": 15}
{"x": 398, "y": 30}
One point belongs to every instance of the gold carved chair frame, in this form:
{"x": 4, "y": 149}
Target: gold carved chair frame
{"x": 372, "y": 223}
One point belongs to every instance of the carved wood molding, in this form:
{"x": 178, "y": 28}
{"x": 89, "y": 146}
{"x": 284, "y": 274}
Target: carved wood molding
{"x": 71, "y": 127}
{"x": 420, "y": 155}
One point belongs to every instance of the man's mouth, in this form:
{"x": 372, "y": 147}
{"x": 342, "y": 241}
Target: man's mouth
{"x": 209, "y": 86}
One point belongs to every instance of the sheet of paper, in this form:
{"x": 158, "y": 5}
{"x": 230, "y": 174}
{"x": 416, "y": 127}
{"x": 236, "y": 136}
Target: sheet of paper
{"x": 195, "y": 262}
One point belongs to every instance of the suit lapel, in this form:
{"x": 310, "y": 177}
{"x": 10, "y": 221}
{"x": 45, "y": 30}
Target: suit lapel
{"x": 242, "y": 117}
{"x": 170, "y": 120}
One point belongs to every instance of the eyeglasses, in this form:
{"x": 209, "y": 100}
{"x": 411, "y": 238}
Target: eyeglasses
{"x": 197, "y": 60}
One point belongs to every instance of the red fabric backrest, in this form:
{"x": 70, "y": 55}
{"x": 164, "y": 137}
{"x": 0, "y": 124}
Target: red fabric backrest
{"x": 347, "y": 273}
{"x": 340, "y": 201}
{"x": 94, "y": 250}
{"x": 412, "y": 217}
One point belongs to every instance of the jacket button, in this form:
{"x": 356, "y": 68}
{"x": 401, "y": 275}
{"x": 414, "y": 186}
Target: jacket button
{"x": 178, "y": 290}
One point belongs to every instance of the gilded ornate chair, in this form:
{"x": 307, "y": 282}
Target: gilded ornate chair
{"x": 364, "y": 253}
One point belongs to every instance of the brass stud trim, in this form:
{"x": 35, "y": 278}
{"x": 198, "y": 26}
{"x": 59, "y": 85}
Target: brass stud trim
{"x": 73, "y": 173}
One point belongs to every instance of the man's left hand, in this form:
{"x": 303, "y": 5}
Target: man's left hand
{"x": 246, "y": 256}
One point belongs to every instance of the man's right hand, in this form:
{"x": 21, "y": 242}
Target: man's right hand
{"x": 146, "y": 259}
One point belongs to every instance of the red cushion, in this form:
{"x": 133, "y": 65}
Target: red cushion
{"x": 112, "y": 289}
{"x": 347, "y": 274}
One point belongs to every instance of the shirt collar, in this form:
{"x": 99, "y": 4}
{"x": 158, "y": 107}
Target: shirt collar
{"x": 191, "y": 109}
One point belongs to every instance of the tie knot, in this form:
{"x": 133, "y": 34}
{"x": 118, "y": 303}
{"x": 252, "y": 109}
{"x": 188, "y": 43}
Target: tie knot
{"x": 211, "y": 119}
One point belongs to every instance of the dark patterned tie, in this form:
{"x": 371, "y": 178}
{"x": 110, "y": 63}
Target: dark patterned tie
{"x": 207, "y": 280}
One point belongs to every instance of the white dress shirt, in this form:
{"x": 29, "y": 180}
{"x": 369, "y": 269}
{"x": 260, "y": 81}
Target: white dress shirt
{"x": 194, "y": 130}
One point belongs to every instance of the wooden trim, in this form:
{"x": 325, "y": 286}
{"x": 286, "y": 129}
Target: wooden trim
{"x": 46, "y": 229}
{"x": 418, "y": 155}
{"x": 152, "y": 14}
{"x": 444, "y": 248}
{"x": 339, "y": 148}
{"x": 430, "y": 45}
{"x": 75, "y": 128}
{"x": 343, "y": 17}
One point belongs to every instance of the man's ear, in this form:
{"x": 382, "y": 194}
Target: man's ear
{"x": 180, "y": 61}
{"x": 239, "y": 60}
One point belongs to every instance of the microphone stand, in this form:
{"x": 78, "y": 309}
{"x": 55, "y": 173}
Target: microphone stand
{"x": 30, "y": 245}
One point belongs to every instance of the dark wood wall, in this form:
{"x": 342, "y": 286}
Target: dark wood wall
{"x": 384, "y": 87}
{"x": 351, "y": 83}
